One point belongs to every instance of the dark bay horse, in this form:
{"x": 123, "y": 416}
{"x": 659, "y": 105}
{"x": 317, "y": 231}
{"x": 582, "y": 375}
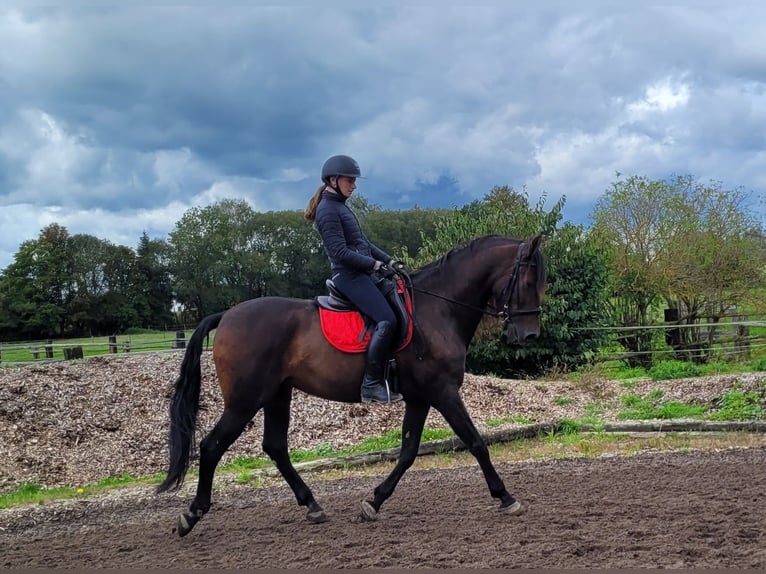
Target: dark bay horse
{"x": 264, "y": 348}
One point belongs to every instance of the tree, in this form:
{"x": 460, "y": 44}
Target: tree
{"x": 108, "y": 289}
{"x": 25, "y": 312}
{"x": 633, "y": 224}
{"x": 120, "y": 306}
{"x": 90, "y": 284}
{"x": 576, "y": 281}
{"x": 70, "y": 285}
{"x": 401, "y": 233}
{"x": 38, "y": 286}
{"x": 212, "y": 253}
{"x": 153, "y": 291}
{"x": 688, "y": 244}
{"x": 298, "y": 265}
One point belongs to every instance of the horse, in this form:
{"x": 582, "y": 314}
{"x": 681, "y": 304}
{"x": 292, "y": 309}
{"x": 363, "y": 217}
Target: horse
{"x": 266, "y": 347}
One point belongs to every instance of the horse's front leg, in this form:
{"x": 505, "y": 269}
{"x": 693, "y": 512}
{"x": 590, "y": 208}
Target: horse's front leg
{"x": 415, "y": 414}
{"x": 452, "y": 408}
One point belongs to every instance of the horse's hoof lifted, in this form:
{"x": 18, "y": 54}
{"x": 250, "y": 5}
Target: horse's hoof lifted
{"x": 513, "y": 509}
{"x": 185, "y": 523}
{"x": 368, "y": 512}
{"x": 316, "y": 517}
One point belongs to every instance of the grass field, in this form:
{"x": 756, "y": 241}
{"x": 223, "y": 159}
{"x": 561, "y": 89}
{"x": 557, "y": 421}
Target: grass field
{"x": 34, "y": 351}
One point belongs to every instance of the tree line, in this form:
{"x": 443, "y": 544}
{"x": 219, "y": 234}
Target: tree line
{"x": 62, "y": 285}
{"x": 676, "y": 243}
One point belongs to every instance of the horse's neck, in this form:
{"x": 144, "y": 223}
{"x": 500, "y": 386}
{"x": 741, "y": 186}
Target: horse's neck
{"x": 468, "y": 282}
{"x": 471, "y": 278}
{"x": 469, "y": 289}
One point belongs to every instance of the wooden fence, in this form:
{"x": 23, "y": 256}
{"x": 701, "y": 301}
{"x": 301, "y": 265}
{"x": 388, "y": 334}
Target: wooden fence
{"x": 49, "y": 351}
{"x": 734, "y": 337}
{"x": 737, "y": 337}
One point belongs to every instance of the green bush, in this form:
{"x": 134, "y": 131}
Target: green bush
{"x": 650, "y": 407}
{"x": 630, "y": 373}
{"x": 666, "y": 370}
{"x": 632, "y": 400}
{"x": 736, "y": 405}
{"x": 666, "y": 410}
{"x": 719, "y": 367}
{"x": 569, "y": 427}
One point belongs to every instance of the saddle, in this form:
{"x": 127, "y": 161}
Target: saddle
{"x": 346, "y": 329}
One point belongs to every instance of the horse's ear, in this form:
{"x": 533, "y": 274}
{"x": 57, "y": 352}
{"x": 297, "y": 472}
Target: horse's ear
{"x": 534, "y": 244}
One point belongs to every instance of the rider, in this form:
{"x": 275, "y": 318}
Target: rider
{"x": 353, "y": 258}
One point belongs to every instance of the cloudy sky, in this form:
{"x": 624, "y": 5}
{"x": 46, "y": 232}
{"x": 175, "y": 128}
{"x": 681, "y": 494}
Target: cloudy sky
{"x": 116, "y": 120}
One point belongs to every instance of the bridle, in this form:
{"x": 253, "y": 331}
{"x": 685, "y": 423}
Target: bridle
{"x": 512, "y": 286}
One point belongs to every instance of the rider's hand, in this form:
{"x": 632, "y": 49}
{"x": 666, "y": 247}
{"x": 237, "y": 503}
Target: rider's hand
{"x": 399, "y": 266}
{"x": 386, "y": 272}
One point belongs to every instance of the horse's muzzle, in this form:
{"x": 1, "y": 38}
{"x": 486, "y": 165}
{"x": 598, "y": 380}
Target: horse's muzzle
{"x": 520, "y": 337}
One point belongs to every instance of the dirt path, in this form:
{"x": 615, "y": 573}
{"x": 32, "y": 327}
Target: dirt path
{"x": 696, "y": 509}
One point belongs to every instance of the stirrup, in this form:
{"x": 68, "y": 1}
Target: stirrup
{"x": 376, "y": 394}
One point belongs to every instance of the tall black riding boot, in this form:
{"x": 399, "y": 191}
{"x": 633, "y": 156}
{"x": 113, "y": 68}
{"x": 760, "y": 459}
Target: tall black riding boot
{"x": 374, "y": 387}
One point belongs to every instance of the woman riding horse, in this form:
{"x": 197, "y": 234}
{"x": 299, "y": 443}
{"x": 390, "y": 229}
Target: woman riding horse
{"x": 353, "y": 259}
{"x": 265, "y": 348}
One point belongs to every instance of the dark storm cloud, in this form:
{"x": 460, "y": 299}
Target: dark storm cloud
{"x": 130, "y": 114}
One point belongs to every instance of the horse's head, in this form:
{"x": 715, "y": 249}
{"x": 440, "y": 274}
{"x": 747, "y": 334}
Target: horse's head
{"x": 518, "y": 297}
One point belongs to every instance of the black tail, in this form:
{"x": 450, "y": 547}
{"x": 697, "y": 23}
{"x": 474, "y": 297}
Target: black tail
{"x": 184, "y": 406}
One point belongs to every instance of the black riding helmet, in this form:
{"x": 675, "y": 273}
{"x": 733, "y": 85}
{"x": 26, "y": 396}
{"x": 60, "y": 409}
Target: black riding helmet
{"x": 339, "y": 165}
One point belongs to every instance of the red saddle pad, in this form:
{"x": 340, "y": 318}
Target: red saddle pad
{"x": 343, "y": 329}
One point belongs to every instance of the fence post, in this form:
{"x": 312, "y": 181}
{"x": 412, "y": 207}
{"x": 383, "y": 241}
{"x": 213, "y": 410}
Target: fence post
{"x": 72, "y": 353}
{"x": 126, "y": 346}
{"x": 49, "y": 349}
{"x": 36, "y": 353}
{"x": 672, "y": 336}
{"x": 112, "y": 343}
{"x": 741, "y": 342}
{"x": 180, "y": 342}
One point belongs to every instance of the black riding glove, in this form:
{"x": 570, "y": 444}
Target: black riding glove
{"x": 400, "y": 267}
{"x": 386, "y": 272}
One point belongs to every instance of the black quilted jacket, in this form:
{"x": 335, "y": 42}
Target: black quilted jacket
{"x": 345, "y": 244}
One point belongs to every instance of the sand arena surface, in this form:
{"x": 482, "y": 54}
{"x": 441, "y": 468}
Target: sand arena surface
{"x": 699, "y": 509}
{"x": 75, "y": 423}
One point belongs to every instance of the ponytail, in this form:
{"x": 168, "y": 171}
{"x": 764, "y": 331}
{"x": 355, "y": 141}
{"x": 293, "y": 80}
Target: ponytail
{"x": 311, "y": 209}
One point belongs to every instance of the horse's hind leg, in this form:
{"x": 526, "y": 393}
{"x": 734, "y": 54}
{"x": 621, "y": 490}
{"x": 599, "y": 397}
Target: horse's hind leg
{"x": 412, "y": 429}
{"x": 226, "y": 431}
{"x": 452, "y": 408}
{"x": 276, "y": 415}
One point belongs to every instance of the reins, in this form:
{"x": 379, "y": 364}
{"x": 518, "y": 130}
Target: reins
{"x": 505, "y": 314}
{"x": 491, "y": 313}
{"x": 409, "y": 286}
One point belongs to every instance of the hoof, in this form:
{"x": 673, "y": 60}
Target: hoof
{"x": 316, "y": 517}
{"x": 186, "y": 522}
{"x": 513, "y": 509}
{"x": 368, "y": 512}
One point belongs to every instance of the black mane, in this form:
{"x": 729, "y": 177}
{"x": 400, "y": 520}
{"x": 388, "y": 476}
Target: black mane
{"x": 469, "y": 248}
